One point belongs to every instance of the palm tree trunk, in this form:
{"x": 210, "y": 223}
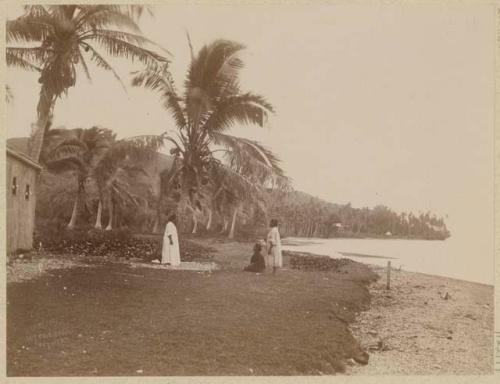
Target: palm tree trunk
{"x": 233, "y": 223}
{"x": 158, "y": 213}
{"x": 209, "y": 222}
{"x": 156, "y": 224}
{"x": 111, "y": 213}
{"x": 195, "y": 225}
{"x": 98, "y": 223}
{"x": 224, "y": 225}
{"x": 76, "y": 205}
{"x": 45, "y": 107}
{"x": 117, "y": 216}
{"x": 74, "y": 214}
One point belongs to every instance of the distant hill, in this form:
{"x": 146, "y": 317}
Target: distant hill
{"x": 19, "y": 144}
{"x": 158, "y": 164}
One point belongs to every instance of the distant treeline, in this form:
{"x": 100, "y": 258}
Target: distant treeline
{"x": 303, "y": 215}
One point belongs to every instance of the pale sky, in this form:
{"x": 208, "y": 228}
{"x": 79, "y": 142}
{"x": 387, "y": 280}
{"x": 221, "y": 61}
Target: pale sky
{"x": 374, "y": 104}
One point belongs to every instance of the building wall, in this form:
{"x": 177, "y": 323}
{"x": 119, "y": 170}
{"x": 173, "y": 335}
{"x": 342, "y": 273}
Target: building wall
{"x": 20, "y": 211}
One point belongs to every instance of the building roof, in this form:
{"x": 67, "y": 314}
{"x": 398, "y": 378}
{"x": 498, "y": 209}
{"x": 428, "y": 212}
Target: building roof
{"x": 23, "y": 158}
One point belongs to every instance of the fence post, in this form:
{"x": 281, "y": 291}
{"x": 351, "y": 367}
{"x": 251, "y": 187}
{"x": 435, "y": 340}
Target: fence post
{"x": 388, "y": 275}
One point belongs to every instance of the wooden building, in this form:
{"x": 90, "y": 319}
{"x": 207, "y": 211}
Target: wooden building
{"x": 22, "y": 173}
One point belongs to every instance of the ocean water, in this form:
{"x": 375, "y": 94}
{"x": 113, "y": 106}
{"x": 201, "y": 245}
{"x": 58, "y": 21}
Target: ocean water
{"x": 447, "y": 258}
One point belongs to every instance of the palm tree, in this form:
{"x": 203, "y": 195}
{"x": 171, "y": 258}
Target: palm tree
{"x": 120, "y": 176}
{"x": 77, "y": 151}
{"x": 95, "y": 155}
{"x": 55, "y": 40}
{"x": 235, "y": 196}
{"x": 211, "y": 103}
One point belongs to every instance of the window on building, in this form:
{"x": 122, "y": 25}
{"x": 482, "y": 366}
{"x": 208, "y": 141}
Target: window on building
{"x": 27, "y": 192}
{"x": 14, "y": 185}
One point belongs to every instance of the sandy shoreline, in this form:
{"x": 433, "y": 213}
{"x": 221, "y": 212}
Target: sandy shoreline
{"x": 413, "y": 329}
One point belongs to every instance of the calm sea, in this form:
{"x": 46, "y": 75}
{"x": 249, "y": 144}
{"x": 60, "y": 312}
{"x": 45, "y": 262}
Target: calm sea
{"x": 443, "y": 258}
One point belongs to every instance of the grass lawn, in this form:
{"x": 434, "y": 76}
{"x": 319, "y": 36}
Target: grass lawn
{"x": 116, "y": 320}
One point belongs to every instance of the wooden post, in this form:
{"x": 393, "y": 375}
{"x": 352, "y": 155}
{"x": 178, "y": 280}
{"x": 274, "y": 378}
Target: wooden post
{"x": 388, "y": 275}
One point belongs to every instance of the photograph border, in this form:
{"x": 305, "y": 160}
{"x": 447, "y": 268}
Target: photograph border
{"x": 274, "y": 379}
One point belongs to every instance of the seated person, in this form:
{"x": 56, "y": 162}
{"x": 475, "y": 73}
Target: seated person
{"x": 257, "y": 263}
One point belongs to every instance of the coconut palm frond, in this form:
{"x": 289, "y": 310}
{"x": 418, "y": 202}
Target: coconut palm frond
{"x": 87, "y": 146}
{"x": 244, "y": 150}
{"x": 36, "y": 10}
{"x": 120, "y": 48}
{"x": 73, "y": 142}
{"x": 67, "y": 149}
{"x": 62, "y": 12}
{"x": 216, "y": 65}
{"x": 29, "y": 59}
{"x": 153, "y": 79}
{"x": 65, "y": 164}
{"x": 211, "y": 73}
{"x": 191, "y": 50}
{"x": 235, "y": 181}
{"x": 159, "y": 79}
{"x": 122, "y": 192}
{"x": 53, "y": 138}
{"x": 125, "y": 157}
{"x": 102, "y": 63}
{"x": 95, "y": 17}
{"x": 246, "y": 109}
{"x": 133, "y": 38}
{"x": 253, "y": 159}
{"x": 134, "y": 170}
{"x": 84, "y": 66}
{"x": 29, "y": 28}
{"x": 135, "y": 149}
{"x": 144, "y": 144}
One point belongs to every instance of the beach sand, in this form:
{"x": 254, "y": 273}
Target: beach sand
{"x": 412, "y": 329}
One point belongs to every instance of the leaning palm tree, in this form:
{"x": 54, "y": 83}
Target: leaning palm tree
{"x": 58, "y": 40}
{"x": 120, "y": 174}
{"x": 211, "y": 103}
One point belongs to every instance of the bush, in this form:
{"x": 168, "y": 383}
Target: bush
{"x": 307, "y": 262}
{"x": 116, "y": 243}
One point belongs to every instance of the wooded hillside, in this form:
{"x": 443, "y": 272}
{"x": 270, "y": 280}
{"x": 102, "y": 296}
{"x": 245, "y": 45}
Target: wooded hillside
{"x": 303, "y": 215}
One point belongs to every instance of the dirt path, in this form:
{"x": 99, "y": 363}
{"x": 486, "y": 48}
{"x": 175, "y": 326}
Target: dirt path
{"x": 413, "y": 329}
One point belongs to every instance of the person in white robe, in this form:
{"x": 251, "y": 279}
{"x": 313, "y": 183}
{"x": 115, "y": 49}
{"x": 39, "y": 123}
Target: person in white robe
{"x": 274, "y": 258}
{"x": 170, "y": 251}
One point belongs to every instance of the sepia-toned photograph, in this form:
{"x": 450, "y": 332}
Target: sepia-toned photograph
{"x": 269, "y": 189}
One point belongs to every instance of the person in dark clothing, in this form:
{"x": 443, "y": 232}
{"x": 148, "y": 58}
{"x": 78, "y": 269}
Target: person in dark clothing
{"x": 257, "y": 262}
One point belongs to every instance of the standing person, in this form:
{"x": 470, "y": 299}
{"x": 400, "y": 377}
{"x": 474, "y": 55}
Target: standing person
{"x": 275, "y": 259}
{"x": 170, "y": 251}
